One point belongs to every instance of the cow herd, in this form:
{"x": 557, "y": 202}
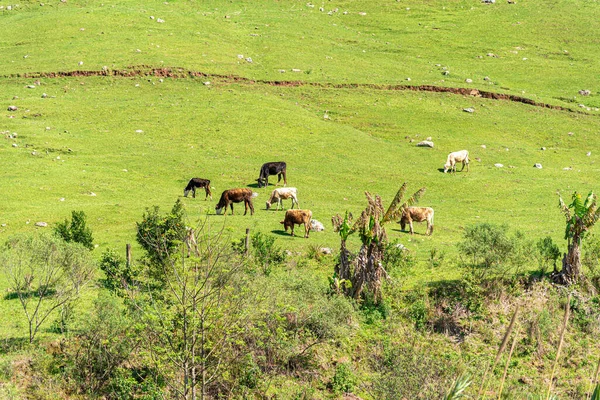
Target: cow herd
{"x": 304, "y": 217}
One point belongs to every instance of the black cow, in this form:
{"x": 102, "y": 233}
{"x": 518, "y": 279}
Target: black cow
{"x": 272, "y": 168}
{"x": 197, "y": 183}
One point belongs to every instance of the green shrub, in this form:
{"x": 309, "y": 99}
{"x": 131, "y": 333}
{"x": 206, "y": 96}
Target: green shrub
{"x": 265, "y": 253}
{"x": 116, "y": 271}
{"x": 160, "y": 235}
{"x": 75, "y": 230}
{"x": 343, "y": 380}
{"x": 548, "y": 253}
{"x": 492, "y": 253}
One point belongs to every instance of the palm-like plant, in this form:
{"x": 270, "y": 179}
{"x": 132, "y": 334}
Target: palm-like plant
{"x": 356, "y": 271}
{"x": 581, "y": 215}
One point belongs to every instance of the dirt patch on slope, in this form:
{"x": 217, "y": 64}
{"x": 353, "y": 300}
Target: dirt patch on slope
{"x": 181, "y": 73}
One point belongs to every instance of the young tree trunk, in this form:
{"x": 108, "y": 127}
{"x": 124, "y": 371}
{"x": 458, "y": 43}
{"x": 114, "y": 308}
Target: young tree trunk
{"x": 571, "y": 265}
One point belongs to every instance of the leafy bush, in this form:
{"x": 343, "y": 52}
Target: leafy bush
{"x": 75, "y": 230}
{"x": 492, "y": 253}
{"x": 160, "y": 235}
{"x": 548, "y": 253}
{"x": 266, "y": 254}
{"x": 343, "y": 380}
{"x": 117, "y": 273}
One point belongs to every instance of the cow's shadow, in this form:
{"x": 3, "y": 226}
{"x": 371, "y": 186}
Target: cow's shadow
{"x": 281, "y": 232}
{"x": 407, "y": 232}
{"x": 254, "y": 185}
{"x": 441, "y": 170}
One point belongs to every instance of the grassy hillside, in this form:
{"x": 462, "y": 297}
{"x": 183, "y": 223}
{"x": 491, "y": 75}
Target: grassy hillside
{"x": 114, "y": 145}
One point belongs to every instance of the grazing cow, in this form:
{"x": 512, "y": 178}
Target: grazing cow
{"x": 297, "y": 217}
{"x": 197, "y": 183}
{"x": 417, "y": 214}
{"x": 456, "y": 157}
{"x": 228, "y": 197}
{"x": 278, "y": 195}
{"x": 272, "y": 168}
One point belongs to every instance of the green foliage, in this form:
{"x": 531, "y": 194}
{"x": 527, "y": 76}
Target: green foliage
{"x": 75, "y": 230}
{"x": 118, "y": 274}
{"x": 418, "y": 309}
{"x": 343, "y": 380}
{"x": 548, "y": 252}
{"x": 458, "y": 388}
{"x": 160, "y": 235}
{"x": 265, "y": 253}
{"x": 491, "y": 252}
{"x": 591, "y": 255}
{"x": 581, "y": 215}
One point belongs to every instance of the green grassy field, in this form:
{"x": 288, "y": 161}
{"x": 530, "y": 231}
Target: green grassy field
{"x": 112, "y": 146}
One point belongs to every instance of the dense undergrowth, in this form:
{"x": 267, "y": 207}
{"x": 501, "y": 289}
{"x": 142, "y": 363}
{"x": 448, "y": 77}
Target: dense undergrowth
{"x": 259, "y": 323}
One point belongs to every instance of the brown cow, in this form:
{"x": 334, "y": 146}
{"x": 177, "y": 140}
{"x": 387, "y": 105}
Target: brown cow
{"x": 297, "y": 217}
{"x": 228, "y": 197}
{"x": 417, "y": 214}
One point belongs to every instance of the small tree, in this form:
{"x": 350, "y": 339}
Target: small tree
{"x": 192, "y": 321}
{"x": 45, "y": 273}
{"x": 160, "y": 235}
{"x": 581, "y": 215}
{"x": 75, "y": 230}
{"x": 355, "y": 272}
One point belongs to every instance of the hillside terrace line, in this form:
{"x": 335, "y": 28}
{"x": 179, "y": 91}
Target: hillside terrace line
{"x": 182, "y": 73}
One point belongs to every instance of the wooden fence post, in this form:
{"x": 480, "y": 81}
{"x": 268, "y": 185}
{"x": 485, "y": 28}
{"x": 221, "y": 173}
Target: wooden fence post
{"x": 128, "y": 254}
{"x": 247, "y": 243}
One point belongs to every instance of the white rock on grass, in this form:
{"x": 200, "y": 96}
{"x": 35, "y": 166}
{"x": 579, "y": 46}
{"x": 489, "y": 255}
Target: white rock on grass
{"x": 41, "y": 224}
{"x": 537, "y": 165}
{"x": 316, "y": 226}
{"x": 12, "y": 108}
{"x": 585, "y": 92}
{"x": 469, "y": 110}
{"x": 498, "y": 165}
{"x": 425, "y": 143}
{"x": 325, "y": 250}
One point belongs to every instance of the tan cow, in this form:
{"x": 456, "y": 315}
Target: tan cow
{"x": 297, "y": 217}
{"x": 457, "y": 157}
{"x": 282, "y": 194}
{"x": 417, "y": 214}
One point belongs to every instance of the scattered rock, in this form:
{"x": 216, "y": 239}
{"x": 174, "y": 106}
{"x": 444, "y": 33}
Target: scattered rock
{"x": 483, "y": 146}
{"x": 124, "y": 170}
{"x": 80, "y": 63}
{"x": 543, "y": 149}
{"x": 30, "y": 86}
{"x": 491, "y": 55}
{"x": 498, "y": 165}
{"x": 469, "y": 80}
{"x": 206, "y": 83}
{"x": 401, "y": 246}
{"x": 12, "y": 108}
{"x": 325, "y": 250}
{"x": 469, "y": 110}
{"x": 139, "y": 131}
{"x": 425, "y": 143}
{"x": 487, "y": 78}
{"x": 567, "y": 168}
{"x": 585, "y": 92}
{"x": 325, "y": 116}
{"x": 160, "y": 21}
{"x": 41, "y": 224}
{"x": 15, "y": 145}
{"x": 537, "y": 165}
{"x": 282, "y": 71}
{"x": 61, "y": 199}
{"x": 152, "y": 17}
{"x": 316, "y": 226}
{"x": 44, "y": 95}
{"x": 249, "y": 59}
{"x": 589, "y": 153}
{"x": 92, "y": 194}
{"x": 296, "y": 70}
{"x": 477, "y": 159}
{"x": 446, "y": 73}
{"x": 488, "y": 1}
{"x": 362, "y": 13}
{"x": 570, "y": 133}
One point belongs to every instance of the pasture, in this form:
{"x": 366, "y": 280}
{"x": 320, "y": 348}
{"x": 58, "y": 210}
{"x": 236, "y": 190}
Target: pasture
{"x": 139, "y": 98}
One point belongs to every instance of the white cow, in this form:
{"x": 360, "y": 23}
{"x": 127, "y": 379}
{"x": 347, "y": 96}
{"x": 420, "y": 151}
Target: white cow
{"x": 456, "y": 157}
{"x": 282, "y": 194}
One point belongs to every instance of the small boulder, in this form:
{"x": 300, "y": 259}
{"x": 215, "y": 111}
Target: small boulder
{"x": 316, "y": 226}
{"x": 498, "y": 165}
{"x": 41, "y": 224}
{"x": 537, "y": 165}
{"x": 585, "y": 92}
{"x": 325, "y": 250}
{"x": 469, "y": 110}
{"x": 425, "y": 143}
{"x": 12, "y": 108}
